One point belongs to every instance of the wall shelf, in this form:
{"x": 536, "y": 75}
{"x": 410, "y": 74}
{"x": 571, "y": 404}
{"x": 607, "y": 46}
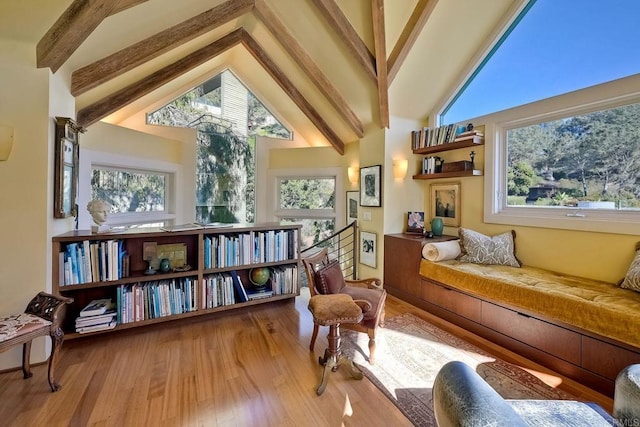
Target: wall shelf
{"x": 471, "y": 142}
{"x": 454, "y": 174}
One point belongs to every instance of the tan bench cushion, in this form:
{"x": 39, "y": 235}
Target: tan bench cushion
{"x": 599, "y": 307}
{"x": 20, "y": 324}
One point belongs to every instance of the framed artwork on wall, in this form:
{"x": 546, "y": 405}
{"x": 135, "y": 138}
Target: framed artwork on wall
{"x": 352, "y": 206}
{"x": 445, "y": 203}
{"x": 66, "y": 167}
{"x": 371, "y": 186}
{"x": 415, "y": 222}
{"x": 368, "y": 249}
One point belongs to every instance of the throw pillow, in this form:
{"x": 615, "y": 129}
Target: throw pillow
{"x": 480, "y": 249}
{"x": 329, "y": 278}
{"x": 632, "y": 278}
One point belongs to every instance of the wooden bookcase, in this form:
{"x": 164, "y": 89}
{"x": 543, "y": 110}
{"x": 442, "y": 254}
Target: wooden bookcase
{"x": 456, "y": 145}
{"x": 193, "y": 242}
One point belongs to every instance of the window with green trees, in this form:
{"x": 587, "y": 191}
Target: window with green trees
{"x": 587, "y": 161}
{"x": 227, "y": 117}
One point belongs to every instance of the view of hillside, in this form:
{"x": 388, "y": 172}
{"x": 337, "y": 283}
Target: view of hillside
{"x": 593, "y": 157}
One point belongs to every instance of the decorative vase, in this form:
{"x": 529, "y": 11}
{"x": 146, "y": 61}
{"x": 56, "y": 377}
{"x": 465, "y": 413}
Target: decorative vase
{"x": 164, "y": 265}
{"x": 437, "y": 226}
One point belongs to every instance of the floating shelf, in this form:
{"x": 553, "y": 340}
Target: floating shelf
{"x": 454, "y": 174}
{"x": 471, "y": 142}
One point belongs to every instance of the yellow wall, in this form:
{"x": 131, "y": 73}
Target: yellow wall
{"x": 24, "y": 184}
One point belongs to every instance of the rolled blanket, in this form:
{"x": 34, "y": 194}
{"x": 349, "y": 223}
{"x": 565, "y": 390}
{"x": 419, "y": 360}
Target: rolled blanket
{"x": 441, "y": 251}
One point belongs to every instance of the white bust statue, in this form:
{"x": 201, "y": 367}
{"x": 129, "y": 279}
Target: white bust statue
{"x": 99, "y": 210}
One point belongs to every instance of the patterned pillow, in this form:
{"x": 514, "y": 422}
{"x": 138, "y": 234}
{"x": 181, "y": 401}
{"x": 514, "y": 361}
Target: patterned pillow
{"x": 632, "y": 278}
{"x": 329, "y": 278}
{"x": 480, "y": 249}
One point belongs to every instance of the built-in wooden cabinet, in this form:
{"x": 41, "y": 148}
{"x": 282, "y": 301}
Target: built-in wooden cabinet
{"x": 114, "y": 264}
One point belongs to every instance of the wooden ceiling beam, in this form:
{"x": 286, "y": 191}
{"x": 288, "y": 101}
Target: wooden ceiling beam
{"x": 112, "y": 103}
{"x": 283, "y": 81}
{"x": 377, "y": 8}
{"x": 273, "y": 23}
{"x": 114, "y": 65}
{"x": 70, "y": 30}
{"x": 412, "y": 29}
{"x": 125, "y": 4}
{"x": 336, "y": 19}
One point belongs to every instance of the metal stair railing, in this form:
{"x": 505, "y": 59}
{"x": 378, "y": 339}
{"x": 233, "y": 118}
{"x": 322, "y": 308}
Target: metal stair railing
{"x": 342, "y": 246}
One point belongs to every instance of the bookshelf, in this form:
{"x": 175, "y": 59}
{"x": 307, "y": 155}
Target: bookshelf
{"x": 209, "y": 264}
{"x": 472, "y": 139}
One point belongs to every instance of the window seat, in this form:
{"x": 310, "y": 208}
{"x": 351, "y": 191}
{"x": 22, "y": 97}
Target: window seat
{"x": 584, "y": 329}
{"x": 599, "y": 307}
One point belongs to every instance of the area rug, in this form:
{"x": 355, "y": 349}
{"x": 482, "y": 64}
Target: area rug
{"x": 411, "y": 351}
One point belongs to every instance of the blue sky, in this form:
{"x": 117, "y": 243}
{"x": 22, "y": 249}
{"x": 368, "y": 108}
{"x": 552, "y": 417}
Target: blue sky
{"x": 559, "y": 46}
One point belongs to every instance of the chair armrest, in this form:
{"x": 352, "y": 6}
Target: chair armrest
{"x": 462, "y": 398}
{"x": 626, "y": 402}
{"x": 371, "y": 283}
{"x": 363, "y": 304}
{"x": 49, "y": 307}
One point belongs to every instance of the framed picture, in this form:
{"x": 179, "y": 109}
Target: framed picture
{"x": 368, "y": 248}
{"x": 352, "y": 206}
{"x": 371, "y": 186}
{"x": 415, "y": 222}
{"x": 445, "y": 203}
{"x": 66, "y": 168}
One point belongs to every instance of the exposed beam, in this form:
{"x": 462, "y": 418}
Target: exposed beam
{"x": 304, "y": 60}
{"x": 112, "y": 66}
{"x": 70, "y": 30}
{"x": 349, "y": 36}
{"x": 125, "y": 4}
{"x": 377, "y": 13}
{"x": 414, "y": 27}
{"x": 260, "y": 55}
{"x": 112, "y": 103}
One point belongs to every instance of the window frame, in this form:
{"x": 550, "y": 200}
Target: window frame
{"x": 277, "y": 175}
{"x": 91, "y": 159}
{"x": 613, "y": 94}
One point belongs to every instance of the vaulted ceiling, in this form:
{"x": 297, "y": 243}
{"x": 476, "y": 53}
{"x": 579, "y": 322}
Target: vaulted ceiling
{"x": 329, "y": 69}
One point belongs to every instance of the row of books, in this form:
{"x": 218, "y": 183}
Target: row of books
{"x": 432, "y": 164}
{"x": 98, "y": 315}
{"x": 86, "y": 262}
{"x": 151, "y": 300}
{"x": 284, "y": 280}
{"x": 231, "y": 250}
{"x": 430, "y": 137}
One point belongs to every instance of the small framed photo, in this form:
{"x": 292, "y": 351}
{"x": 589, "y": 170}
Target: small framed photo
{"x": 445, "y": 203}
{"x": 368, "y": 248}
{"x": 352, "y": 206}
{"x": 415, "y": 222}
{"x": 371, "y": 186}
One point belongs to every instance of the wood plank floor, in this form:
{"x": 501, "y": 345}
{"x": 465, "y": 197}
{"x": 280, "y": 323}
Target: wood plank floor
{"x": 239, "y": 368}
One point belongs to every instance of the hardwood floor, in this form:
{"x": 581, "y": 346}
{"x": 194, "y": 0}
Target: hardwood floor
{"x": 245, "y": 367}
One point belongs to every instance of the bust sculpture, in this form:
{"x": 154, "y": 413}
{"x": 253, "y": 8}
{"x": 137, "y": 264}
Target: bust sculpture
{"x": 99, "y": 210}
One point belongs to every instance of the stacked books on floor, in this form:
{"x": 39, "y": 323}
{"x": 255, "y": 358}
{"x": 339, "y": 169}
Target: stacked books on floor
{"x": 98, "y": 315}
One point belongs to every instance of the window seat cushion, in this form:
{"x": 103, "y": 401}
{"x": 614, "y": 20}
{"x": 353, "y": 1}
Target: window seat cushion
{"x": 599, "y": 307}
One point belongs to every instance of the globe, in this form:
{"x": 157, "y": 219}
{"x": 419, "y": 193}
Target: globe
{"x": 259, "y": 276}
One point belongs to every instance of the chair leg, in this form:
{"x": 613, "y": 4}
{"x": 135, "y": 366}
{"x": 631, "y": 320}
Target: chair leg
{"x": 314, "y": 336}
{"x": 57, "y": 337}
{"x": 333, "y": 359}
{"x": 26, "y": 360}
{"x": 372, "y": 346}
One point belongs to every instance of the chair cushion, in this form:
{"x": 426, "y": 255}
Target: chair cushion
{"x": 329, "y": 278}
{"x": 374, "y": 296}
{"x": 334, "y": 309}
{"x": 20, "y": 324}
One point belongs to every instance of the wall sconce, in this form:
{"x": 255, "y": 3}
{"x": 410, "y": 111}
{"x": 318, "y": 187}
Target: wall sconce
{"x": 6, "y": 142}
{"x": 352, "y": 171}
{"x": 400, "y": 168}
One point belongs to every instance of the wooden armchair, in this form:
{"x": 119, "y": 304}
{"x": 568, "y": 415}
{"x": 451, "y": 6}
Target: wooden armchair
{"x": 333, "y": 281}
{"x": 43, "y": 316}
